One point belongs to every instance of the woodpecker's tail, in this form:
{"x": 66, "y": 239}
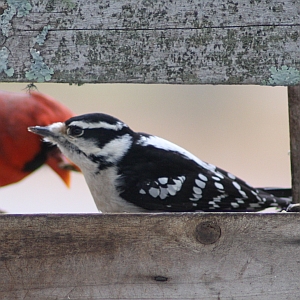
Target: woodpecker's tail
{"x": 278, "y": 192}
{"x": 282, "y": 196}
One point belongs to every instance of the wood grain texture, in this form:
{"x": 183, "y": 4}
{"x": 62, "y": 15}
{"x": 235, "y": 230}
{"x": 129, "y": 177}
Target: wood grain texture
{"x": 189, "y": 42}
{"x": 149, "y": 256}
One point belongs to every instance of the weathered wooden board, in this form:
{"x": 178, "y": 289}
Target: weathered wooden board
{"x": 294, "y": 120}
{"x": 150, "y": 256}
{"x": 190, "y": 41}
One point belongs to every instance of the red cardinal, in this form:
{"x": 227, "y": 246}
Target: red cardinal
{"x": 22, "y": 152}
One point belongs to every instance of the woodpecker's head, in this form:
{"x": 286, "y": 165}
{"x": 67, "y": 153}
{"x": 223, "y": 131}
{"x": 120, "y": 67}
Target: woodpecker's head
{"x": 90, "y": 141}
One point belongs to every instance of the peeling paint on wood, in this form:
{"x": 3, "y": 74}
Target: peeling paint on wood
{"x": 149, "y": 256}
{"x": 189, "y": 42}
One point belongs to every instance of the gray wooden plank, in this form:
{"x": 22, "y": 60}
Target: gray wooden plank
{"x": 189, "y": 42}
{"x": 130, "y": 256}
{"x": 156, "y": 14}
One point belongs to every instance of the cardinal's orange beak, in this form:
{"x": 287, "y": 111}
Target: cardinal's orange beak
{"x": 61, "y": 165}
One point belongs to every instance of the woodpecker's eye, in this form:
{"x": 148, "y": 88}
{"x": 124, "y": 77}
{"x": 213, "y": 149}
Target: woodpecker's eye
{"x": 75, "y": 131}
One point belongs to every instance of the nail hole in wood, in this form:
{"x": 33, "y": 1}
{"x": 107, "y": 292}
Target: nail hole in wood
{"x": 160, "y": 278}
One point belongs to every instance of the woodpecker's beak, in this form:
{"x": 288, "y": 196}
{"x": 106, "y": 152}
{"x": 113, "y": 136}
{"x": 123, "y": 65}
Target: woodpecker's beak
{"x": 55, "y": 159}
{"x": 40, "y": 130}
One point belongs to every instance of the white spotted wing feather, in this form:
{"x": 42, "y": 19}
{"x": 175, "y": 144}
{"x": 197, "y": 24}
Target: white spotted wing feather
{"x": 172, "y": 179}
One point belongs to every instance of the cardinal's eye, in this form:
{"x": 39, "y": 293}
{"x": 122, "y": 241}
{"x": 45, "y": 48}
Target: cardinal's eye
{"x": 75, "y": 131}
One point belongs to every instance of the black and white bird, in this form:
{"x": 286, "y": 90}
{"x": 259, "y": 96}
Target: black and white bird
{"x": 127, "y": 171}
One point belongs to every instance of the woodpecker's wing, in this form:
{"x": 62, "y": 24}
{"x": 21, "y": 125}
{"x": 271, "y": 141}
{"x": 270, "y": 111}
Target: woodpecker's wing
{"x": 197, "y": 192}
{"x": 163, "y": 177}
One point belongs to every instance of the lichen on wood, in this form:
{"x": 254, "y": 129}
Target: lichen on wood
{"x": 20, "y": 8}
{"x": 39, "y": 71}
{"x": 284, "y": 76}
{"x": 41, "y": 37}
{"x": 186, "y": 42}
{"x": 4, "y": 63}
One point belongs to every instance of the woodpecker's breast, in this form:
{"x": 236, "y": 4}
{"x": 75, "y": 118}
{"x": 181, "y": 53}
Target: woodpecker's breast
{"x": 103, "y": 189}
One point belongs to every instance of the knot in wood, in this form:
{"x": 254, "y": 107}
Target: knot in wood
{"x": 207, "y": 233}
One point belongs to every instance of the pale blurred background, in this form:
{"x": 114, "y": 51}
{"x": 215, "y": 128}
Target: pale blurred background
{"x": 242, "y": 129}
